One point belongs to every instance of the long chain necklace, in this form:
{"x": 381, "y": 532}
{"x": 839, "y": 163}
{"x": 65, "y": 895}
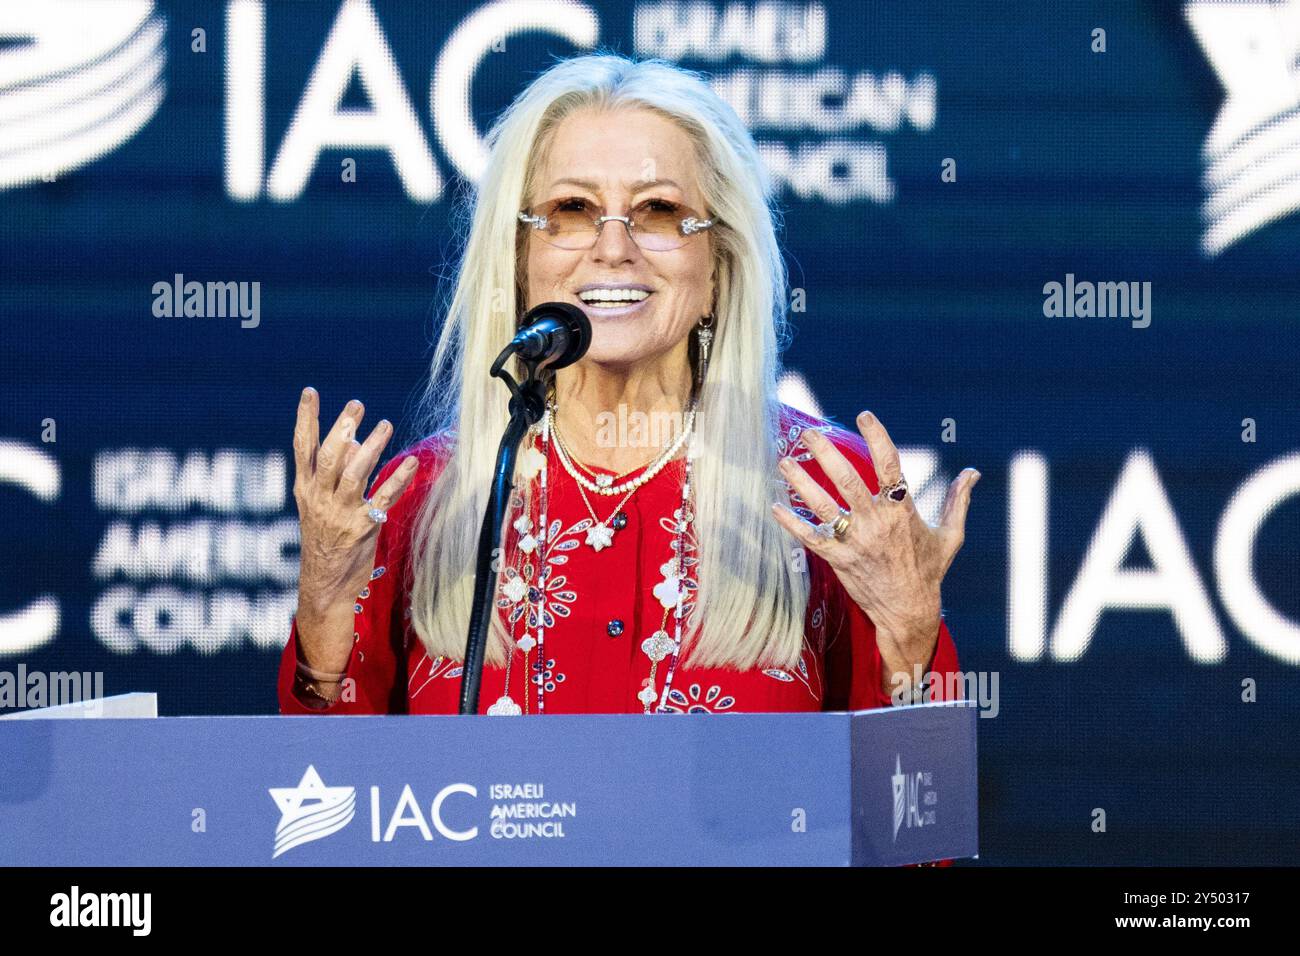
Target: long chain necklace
{"x": 671, "y": 591}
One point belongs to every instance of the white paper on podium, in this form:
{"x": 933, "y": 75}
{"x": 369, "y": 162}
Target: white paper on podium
{"x": 138, "y": 704}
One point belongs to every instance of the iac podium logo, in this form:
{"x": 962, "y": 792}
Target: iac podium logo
{"x": 78, "y": 78}
{"x": 311, "y": 811}
{"x": 912, "y": 804}
{"x": 517, "y": 811}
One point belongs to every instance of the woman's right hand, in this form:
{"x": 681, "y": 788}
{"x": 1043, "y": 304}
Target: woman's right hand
{"x": 338, "y": 536}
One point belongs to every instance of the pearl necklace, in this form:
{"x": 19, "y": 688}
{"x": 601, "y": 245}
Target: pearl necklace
{"x": 602, "y": 480}
{"x": 607, "y": 487}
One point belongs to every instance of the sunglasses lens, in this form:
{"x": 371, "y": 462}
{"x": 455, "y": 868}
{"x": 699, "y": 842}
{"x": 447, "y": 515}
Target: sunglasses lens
{"x": 656, "y": 224}
{"x": 569, "y": 223}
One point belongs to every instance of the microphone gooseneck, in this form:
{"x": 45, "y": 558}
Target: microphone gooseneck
{"x": 555, "y": 334}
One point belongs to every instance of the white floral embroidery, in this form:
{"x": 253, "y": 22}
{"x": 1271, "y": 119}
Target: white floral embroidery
{"x": 438, "y": 667}
{"x": 544, "y": 603}
{"x": 713, "y": 702}
{"x": 791, "y": 443}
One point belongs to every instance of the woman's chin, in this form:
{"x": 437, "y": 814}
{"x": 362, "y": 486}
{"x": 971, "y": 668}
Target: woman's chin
{"x": 613, "y": 347}
{"x": 613, "y": 356}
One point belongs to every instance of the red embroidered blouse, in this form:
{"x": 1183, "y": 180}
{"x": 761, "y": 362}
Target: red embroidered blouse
{"x": 598, "y": 607}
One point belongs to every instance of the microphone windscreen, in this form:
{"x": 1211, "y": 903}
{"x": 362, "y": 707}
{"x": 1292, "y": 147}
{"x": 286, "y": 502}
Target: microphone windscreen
{"x": 574, "y": 322}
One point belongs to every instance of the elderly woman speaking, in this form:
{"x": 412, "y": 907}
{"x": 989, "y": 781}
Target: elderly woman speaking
{"x": 747, "y": 558}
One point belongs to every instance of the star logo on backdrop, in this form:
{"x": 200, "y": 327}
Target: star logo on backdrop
{"x": 310, "y": 811}
{"x": 1252, "y": 152}
{"x": 78, "y": 79}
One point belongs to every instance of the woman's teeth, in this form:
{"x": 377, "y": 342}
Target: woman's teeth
{"x": 612, "y": 297}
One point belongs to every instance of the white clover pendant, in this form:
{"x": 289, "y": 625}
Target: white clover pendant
{"x": 658, "y": 645}
{"x": 668, "y": 591}
{"x": 514, "y": 590}
{"x": 531, "y": 462}
{"x": 504, "y": 707}
{"x": 600, "y": 536}
{"x": 525, "y": 643}
{"x": 647, "y": 696}
{"x": 523, "y": 524}
{"x": 527, "y": 544}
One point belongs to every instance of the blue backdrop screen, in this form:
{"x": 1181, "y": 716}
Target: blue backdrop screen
{"x": 1053, "y": 241}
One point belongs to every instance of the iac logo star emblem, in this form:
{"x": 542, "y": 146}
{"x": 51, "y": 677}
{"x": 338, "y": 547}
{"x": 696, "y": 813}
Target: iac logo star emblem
{"x": 1252, "y": 152}
{"x": 78, "y": 78}
{"x": 899, "y": 780}
{"x": 310, "y": 811}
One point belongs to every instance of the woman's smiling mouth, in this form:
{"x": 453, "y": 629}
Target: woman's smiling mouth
{"x": 609, "y": 300}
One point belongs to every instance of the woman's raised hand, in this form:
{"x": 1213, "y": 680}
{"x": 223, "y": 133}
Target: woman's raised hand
{"x": 889, "y": 559}
{"x": 338, "y": 536}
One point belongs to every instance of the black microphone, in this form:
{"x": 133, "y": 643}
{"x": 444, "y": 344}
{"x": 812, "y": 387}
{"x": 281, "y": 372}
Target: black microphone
{"x": 555, "y": 334}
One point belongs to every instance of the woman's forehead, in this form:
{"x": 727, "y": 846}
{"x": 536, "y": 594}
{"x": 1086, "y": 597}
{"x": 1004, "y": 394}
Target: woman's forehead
{"x": 620, "y": 152}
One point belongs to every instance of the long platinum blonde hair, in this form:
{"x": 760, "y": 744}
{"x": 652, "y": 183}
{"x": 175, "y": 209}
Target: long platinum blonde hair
{"x": 752, "y": 595}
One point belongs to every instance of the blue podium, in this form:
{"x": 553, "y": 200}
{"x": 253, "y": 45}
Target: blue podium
{"x": 872, "y": 788}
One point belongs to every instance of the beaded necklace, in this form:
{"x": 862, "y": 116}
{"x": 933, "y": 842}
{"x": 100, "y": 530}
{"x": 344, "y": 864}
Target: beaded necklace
{"x": 671, "y": 591}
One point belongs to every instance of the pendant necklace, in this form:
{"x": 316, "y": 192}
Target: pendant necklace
{"x": 601, "y": 533}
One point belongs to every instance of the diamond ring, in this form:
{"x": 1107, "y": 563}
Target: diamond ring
{"x": 837, "y": 529}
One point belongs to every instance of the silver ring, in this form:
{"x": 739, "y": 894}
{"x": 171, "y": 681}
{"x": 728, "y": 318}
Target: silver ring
{"x": 377, "y": 515}
{"x": 895, "y": 492}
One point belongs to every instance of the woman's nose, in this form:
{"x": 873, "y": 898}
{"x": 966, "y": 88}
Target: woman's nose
{"x": 614, "y": 242}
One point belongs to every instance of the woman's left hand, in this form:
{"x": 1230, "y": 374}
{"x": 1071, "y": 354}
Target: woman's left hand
{"x": 890, "y": 560}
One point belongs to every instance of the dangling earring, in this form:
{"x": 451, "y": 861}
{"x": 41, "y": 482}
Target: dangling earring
{"x": 705, "y": 332}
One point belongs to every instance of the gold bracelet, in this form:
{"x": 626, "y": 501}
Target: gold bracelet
{"x": 311, "y": 689}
